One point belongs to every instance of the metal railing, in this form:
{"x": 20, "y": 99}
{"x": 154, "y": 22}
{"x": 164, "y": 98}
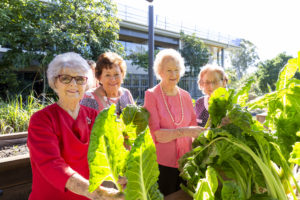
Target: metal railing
{"x": 138, "y": 84}
{"x": 140, "y": 16}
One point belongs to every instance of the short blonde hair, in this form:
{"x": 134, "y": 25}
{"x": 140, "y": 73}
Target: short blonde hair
{"x": 68, "y": 60}
{"x": 166, "y": 55}
{"x": 213, "y": 68}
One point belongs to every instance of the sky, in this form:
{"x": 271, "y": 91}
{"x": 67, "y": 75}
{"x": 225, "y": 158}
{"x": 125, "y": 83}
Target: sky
{"x": 273, "y": 26}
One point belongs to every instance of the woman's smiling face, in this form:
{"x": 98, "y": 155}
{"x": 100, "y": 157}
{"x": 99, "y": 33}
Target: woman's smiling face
{"x": 169, "y": 72}
{"x": 71, "y": 91}
{"x": 210, "y": 81}
{"x": 111, "y": 79}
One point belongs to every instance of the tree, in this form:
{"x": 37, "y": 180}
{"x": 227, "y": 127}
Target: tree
{"x": 244, "y": 57}
{"x": 195, "y": 53}
{"x": 268, "y": 72}
{"x": 141, "y": 58}
{"x": 35, "y": 31}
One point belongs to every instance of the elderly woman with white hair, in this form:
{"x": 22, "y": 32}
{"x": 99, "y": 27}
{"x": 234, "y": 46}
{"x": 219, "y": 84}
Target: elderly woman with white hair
{"x": 210, "y": 78}
{"x": 172, "y": 119}
{"x": 58, "y": 136}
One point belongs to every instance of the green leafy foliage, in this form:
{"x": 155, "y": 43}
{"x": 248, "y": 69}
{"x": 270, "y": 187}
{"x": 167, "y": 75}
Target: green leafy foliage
{"x": 207, "y": 187}
{"x": 87, "y": 27}
{"x": 108, "y": 158}
{"x": 15, "y": 114}
{"x": 106, "y": 150}
{"x": 231, "y": 191}
{"x": 136, "y": 120}
{"x": 295, "y": 155}
{"x": 195, "y": 53}
{"x": 141, "y": 58}
{"x": 142, "y": 170}
{"x": 219, "y": 103}
{"x": 242, "y": 95}
{"x": 267, "y": 73}
{"x": 240, "y": 152}
{"x": 283, "y": 108}
{"x": 286, "y": 74}
{"x": 244, "y": 57}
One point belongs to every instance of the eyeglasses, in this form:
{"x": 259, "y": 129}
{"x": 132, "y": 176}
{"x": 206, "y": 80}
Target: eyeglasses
{"x": 66, "y": 79}
{"x": 213, "y": 83}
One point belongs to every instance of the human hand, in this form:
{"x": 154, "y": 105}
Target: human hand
{"x": 103, "y": 193}
{"x": 122, "y": 181}
{"x": 191, "y": 131}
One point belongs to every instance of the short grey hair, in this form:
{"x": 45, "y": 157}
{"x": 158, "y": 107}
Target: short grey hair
{"x": 168, "y": 54}
{"x": 68, "y": 60}
{"x": 213, "y": 68}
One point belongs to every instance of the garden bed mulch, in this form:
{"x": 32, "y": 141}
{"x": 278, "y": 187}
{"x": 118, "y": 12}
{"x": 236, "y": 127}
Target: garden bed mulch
{"x": 13, "y": 150}
{"x": 13, "y": 145}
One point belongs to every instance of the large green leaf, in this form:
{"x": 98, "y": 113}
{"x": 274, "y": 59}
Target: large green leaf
{"x": 231, "y": 191}
{"x": 136, "y": 120}
{"x": 295, "y": 155}
{"x": 142, "y": 170}
{"x": 106, "y": 154}
{"x": 242, "y": 95}
{"x": 286, "y": 73}
{"x": 203, "y": 192}
{"x": 219, "y": 103}
{"x": 211, "y": 177}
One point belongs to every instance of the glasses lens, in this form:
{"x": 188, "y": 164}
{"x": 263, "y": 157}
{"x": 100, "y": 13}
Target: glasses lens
{"x": 80, "y": 80}
{"x": 66, "y": 79}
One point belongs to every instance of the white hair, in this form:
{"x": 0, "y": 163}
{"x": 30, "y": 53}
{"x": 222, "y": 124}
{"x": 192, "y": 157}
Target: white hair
{"x": 168, "y": 54}
{"x": 214, "y": 68}
{"x": 72, "y": 61}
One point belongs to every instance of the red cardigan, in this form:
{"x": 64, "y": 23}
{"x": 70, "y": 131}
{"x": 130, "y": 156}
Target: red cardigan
{"x": 58, "y": 147}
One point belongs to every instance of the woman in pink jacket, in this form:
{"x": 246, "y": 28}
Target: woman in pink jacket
{"x": 172, "y": 119}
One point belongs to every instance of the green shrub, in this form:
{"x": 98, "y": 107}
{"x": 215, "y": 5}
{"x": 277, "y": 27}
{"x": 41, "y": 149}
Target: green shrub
{"x": 15, "y": 114}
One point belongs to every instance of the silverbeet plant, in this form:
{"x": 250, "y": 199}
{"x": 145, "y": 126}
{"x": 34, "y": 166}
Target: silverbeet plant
{"x": 108, "y": 158}
{"x": 242, "y": 159}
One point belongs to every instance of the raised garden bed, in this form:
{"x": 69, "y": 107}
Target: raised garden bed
{"x": 15, "y": 168}
{"x": 13, "y": 144}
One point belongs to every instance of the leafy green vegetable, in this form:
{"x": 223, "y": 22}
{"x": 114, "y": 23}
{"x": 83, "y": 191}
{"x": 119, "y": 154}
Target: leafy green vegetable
{"x": 231, "y": 191}
{"x": 240, "y": 153}
{"x": 135, "y": 120}
{"x": 286, "y": 74}
{"x": 106, "y": 153}
{"x": 108, "y": 158}
{"x": 207, "y": 186}
{"x": 283, "y": 108}
{"x": 242, "y": 95}
{"x": 295, "y": 155}
{"x": 219, "y": 103}
{"x": 203, "y": 191}
{"x": 142, "y": 170}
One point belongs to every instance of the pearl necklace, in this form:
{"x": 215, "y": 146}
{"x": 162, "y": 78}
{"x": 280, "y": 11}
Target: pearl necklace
{"x": 182, "y": 113}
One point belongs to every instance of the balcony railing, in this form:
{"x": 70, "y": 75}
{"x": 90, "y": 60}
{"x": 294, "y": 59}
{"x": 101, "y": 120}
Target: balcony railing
{"x": 140, "y": 16}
